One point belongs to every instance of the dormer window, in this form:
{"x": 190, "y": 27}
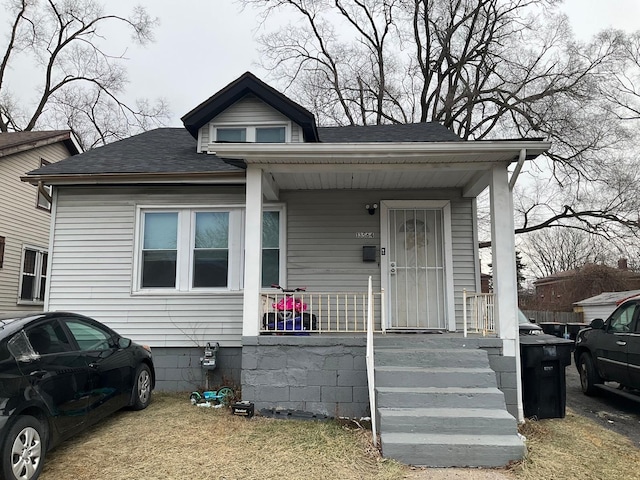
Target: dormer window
{"x": 234, "y": 135}
{"x": 257, "y": 134}
{"x": 270, "y": 134}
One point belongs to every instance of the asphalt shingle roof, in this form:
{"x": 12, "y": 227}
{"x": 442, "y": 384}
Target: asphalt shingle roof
{"x": 163, "y": 150}
{"x": 407, "y": 132}
{"x": 173, "y": 150}
{"x": 12, "y": 140}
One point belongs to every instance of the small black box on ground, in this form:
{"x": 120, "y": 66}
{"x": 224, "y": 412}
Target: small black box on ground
{"x": 242, "y": 409}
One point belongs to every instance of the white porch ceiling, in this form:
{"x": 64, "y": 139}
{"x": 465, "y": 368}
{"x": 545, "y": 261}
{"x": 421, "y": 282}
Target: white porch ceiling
{"x": 305, "y": 166}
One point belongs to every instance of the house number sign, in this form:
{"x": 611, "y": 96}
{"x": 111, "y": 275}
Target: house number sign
{"x": 364, "y": 234}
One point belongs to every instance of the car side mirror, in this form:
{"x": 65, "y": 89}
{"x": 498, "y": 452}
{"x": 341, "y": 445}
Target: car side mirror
{"x": 597, "y": 324}
{"x": 124, "y": 342}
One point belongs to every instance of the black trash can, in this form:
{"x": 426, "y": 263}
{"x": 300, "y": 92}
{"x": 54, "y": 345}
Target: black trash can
{"x": 543, "y": 360}
{"x": 554, "y": 328}
{"x": 574, "y": 328}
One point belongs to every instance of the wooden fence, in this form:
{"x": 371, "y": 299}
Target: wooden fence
{"x": 560, "y": 317}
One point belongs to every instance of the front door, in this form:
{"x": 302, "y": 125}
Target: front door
{"x": 416, "y": 273}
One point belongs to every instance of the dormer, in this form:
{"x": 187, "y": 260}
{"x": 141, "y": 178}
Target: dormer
{"x": 249, "y": 110}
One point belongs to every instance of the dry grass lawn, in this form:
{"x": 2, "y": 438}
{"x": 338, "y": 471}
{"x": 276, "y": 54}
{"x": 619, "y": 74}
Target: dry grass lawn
{"x": 576, "y": 448}
{"x": 174, "y": 440}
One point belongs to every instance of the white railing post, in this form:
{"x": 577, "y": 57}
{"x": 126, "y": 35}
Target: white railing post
{"x": 464, "y": 312}
{"x": 370, "y": 364}
{"x": 383, "y": 312}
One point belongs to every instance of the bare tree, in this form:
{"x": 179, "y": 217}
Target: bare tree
{"x": 80, "y": 84}
{"x": 561, "y": 249}
{"x": 485, "y": 69}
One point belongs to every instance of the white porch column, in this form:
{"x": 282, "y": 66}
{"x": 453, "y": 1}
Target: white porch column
{"x": 503, "y": 256}
{"x": 253, "y": 252}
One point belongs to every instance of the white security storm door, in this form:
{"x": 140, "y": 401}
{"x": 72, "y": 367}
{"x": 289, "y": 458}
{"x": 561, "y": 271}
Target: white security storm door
{"x": 416, "y": 267}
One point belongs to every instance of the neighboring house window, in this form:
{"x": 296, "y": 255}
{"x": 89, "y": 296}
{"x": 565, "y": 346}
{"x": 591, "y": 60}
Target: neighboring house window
{"x": 33, "y": 278}
{"x": 196, "y": 249}
{"x": 261, "y": 134}
{"x": 43, "y": 202}
{"x": 2, "y": 242}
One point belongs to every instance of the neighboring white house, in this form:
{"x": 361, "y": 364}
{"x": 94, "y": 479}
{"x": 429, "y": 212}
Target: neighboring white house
{"x": 603, "y": 305}
{"x": 174, "y": 237}
{"x": 25, "y": 218}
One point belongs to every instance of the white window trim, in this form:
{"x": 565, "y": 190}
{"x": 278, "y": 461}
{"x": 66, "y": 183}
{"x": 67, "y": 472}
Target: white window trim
{"x": 251, "y": 129}
{"x": 37, "y": 276}
{"x": 186, "y": 234}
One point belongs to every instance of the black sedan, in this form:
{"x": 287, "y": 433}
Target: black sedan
{"x": 59, "y": 373}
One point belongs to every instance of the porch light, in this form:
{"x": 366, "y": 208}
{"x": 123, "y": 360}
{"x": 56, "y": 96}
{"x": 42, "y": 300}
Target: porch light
{"x": 371, "y": 208}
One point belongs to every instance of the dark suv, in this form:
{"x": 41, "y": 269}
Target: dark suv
{"x": 610, "y": 350}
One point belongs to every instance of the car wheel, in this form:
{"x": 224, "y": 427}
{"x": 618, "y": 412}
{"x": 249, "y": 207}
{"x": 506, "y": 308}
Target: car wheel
{"x": 23, "y": 450}
{"x": 589, "y": 378}
{"x": 142, "y": 388}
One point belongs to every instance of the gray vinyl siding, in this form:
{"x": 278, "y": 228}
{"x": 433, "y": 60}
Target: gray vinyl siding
{"x": 21, "y": 223}
{"x": 92, "y": 268}
{"x": 324, "y": 254}
{"x": 93, "y": 256}
{"x": 249, "y": 111}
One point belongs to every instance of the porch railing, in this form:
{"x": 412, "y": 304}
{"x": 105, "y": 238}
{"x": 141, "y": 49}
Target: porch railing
{"x": 478, "y": 313}
{"x": 320, "y": 312}
{"x": 371, "y": 365}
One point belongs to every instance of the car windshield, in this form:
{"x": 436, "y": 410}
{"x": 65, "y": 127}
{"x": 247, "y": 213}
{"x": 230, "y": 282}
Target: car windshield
{"x": 522, "y": 318}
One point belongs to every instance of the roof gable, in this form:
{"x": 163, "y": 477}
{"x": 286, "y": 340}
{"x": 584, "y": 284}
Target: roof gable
{"x": 239, "y": 88}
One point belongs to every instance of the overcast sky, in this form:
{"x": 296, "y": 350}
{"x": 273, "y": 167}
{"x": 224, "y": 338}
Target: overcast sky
{"x": 201, "y": 45}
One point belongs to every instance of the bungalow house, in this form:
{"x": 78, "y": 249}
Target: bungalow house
{"x": 174, "y": 237}
{"x": 25, "y": 216}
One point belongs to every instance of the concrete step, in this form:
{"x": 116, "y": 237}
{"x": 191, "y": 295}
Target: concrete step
{"x": 435, "y": 377}
{"x": 437, "y": 397}
{"x": 469, "y": 421}
{"x": 426, "y": 357}
{"x": 434, "y": 341}
{"x": 435, "y": 450}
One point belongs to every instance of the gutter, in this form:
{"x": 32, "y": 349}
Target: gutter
{"x": 136, "y": 178}
{"x": 380, "y": 152}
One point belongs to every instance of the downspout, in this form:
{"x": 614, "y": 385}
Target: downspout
{"x": 43, "y": 191}
{"x": 512, "y": 182}
{"x": 516, "y": 172}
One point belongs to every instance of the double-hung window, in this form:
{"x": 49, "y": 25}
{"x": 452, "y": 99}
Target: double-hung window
{"x": 159, "y": 250}
{"x": 211, "y": 250}
{"x": 199, "y": 249}
{"x": 33, "y": 276}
